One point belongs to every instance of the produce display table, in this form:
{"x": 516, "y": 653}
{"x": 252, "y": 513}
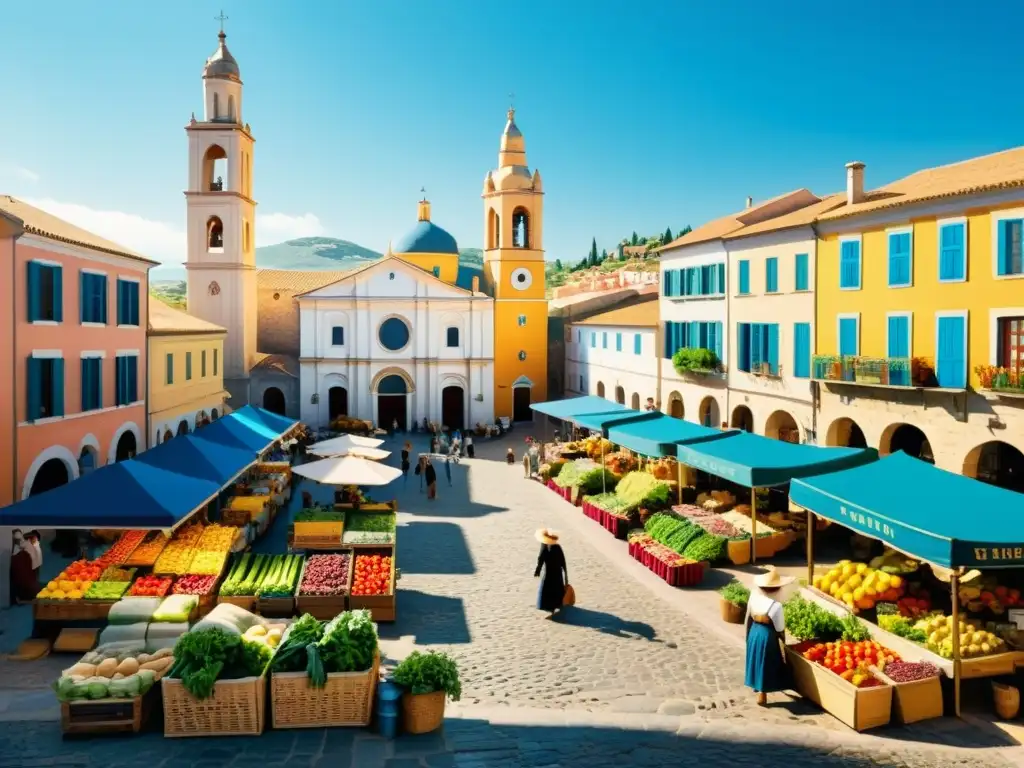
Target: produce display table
{"x": 859, "y": 708}
{"x": 71, "y": 610}
{"x": 78, "y": 718}
{"x": 381, "y": 607}
{"x": 665, "y": 563}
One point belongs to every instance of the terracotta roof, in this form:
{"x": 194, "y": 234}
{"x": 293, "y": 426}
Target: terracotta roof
{"x": 642, "y": 315}
{"x": 43, "y": 224}
{"x": 352, "y": 272}
{"x": 167, "y": 321}
{"x": 1001, "y": 170}
{"x": 799, "y": 218}
{"x": 299, "y": 281}
{"x": 285, "y": 364}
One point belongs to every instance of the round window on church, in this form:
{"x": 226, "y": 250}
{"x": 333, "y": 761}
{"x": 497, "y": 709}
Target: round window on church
{"x": 522, "y": 355}
{"x": 393, "y": 334}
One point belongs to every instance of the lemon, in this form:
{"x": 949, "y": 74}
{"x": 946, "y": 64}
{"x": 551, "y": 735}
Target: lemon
{"x": 858, "y": 594}
{"x": 861, "y": 567}
{"x": 854, "y": 580}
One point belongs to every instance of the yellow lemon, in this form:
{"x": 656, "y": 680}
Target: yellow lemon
{"x": 825, "y": 585}
{"x": 817, "y": 582}
{"x": 847, "y": 570}
{"x": 833, "y": 574}
{"x": 861, "y": 567}
{"x": 869, "y": 591}
{"x": 858, "y": 594}
{"x": 882, "y": 580}
{"x": 854, "y": 580}
{"x": 895, "y": 582}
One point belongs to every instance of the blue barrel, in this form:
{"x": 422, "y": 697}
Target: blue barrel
{"x": 388, "y": 695}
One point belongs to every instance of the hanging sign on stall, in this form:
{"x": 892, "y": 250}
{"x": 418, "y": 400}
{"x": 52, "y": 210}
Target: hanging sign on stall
{"x": 989, "y": 555}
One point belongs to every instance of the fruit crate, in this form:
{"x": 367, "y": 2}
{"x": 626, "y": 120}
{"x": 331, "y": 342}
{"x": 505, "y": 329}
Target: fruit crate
{"x": 79, "y": 718}
{"x": 242, "y": 601}
{"x": 346, "y": 699}
{"x": 324, "y": 607}
{"x": 915, "y": 701}
{"x": 71, "y": 610}
{"x": 381, "y": 607}
{"x": 236, "y": 708}
{"x": 859, "y": 708}
{"x": 615, "y": 525}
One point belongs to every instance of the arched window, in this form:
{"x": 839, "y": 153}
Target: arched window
{"x": 245, "y": 237}
{"x": 215, "y": 169}
{"x": 493, "y": 229}
{"x": 453, "y": 336}
{"x": 338, "y": 336}
{"x": 231, "y": 109}
{"x": 216, "y": 106}
{"x": 520, "y": 228}
{"x": 214, "y": 234}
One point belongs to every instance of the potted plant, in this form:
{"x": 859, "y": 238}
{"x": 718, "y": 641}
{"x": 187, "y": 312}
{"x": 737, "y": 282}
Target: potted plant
{"x": 428, "y": 679}
{"x": 695, "y": 360}
{"x": 734, "y": 597}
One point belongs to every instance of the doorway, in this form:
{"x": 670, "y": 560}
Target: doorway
{"x": 521, "y": 404}
{"x": 337, "y": 402}
{"x": 391, "y": 402}
{"x": 273, "y": 400}
{"x": 453, "y": 405}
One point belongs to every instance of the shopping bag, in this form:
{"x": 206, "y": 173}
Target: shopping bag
{"x": 570, "y": 596}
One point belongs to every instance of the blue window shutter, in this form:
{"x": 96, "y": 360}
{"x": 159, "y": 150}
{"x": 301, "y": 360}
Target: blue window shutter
{"x": 679, "y": 339}
{"x": 135, "y": 303}
{"x": 99, "y": 382}
{"x": 848, "y": 336}
{"x": 694, "y": 334}
{"x": 32, "y": 387}
{"x": 618, "y": 342}
{"x": 800, "y": 283}
{"x": 668, "y": 339}
{"x": 58, "y": 386}
{"x": 712, "y": 340}
{"x": 849, "y": 265}
{"x": 86, "y": 382}
{"x": 899, "y": 259}
{"x": 637, "y": 343}
{"x": 118, "y": 381}
{"x": 120, "y": 302}
{"x": 1004, "y": 248}
{"x": 743, "y": 346}
{"x": 593, "y": 339}
{"x": 604, "y": 339}
{"x": 771, "y": 266}
{"x": 744, "y": 277}
{"x": 721, "y": 278}
{"x": 951, "y": 368}
{"x": 773, "y": 347}
{"x": 951, "y": 252}
{"x": 58, "y": 294}
{"x": 802, "y": 350}
{"x": 755, "y": 346}
{"x": 33, "y": 291}
{"x": 718, "y": 340}
{"x": 899, "y": 336}
{"x": 133, "y": 379}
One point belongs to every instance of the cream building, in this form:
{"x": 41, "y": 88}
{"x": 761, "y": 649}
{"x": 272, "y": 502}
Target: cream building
{"x": 186, "y": 376}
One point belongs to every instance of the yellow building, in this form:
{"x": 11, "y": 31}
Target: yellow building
{"x": 918, "y": 291}
{"x": 186, "y": 377}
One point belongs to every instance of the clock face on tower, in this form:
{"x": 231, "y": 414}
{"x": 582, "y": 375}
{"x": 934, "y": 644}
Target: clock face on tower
{"x": 521, "y": 278}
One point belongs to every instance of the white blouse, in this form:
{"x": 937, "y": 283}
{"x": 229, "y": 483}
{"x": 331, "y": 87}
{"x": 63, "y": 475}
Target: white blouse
{"x": 761, "y": 604}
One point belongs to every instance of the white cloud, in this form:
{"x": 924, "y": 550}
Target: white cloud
{"x": 26, "y": 175}
{"x": 163, "y": 242}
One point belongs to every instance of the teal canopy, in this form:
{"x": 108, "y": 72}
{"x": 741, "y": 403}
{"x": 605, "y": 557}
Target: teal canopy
{"x": 660, "y": 435}
{"x": 756, "y": 461}
{"x": 602, "y": 422}
{"x": 926, "y": 512}
{"x": 574, "y": 407}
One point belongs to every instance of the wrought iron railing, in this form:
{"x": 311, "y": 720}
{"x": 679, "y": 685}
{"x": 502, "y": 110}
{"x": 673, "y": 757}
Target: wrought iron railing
{"x": 886, "y": 371}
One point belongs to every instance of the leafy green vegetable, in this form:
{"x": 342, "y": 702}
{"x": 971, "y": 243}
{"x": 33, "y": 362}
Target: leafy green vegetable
{"x": 291, "y": 653}
{"x": 319, "y": 515}
{"x": 674, "y": 532}
{"x": 901, "y": 627}
{"x": 374, "y": 522}
{"x": 854, "y": 629}
{"x": 201, "y": 657}
{"x": 642, "y": 489}
{"x": 808, "y": 621}
{"x": 735, "y": 592}
{"x": 349, "y": 644}
{"x": 428, "y": 672}
{"x": 708, "y": 548}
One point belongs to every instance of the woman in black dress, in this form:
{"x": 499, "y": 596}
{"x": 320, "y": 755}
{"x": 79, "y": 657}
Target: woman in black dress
{"x": 551, "y": 593}
{"x": 405, "y": 461}
{"x": 430, "y": 474}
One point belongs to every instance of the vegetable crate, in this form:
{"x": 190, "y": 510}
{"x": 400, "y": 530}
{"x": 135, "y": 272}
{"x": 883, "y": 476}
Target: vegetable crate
{"x": 276, "y": 607}
{"x": 322, "y": 529}
{"x": 346, "y": 699}
{"x": 242, "y": 601}
{"x": 107, "y": 715}
{"x": 859, "y": 708}
{"x": 236, "y": 708}
{"x": 914, "y": 701}
{"x": 71, "y": 610}
{"x": 381, "y": 607}
{"x": 682, "y": 575}
{"x": 615, "y": 525}
{"x": 324, "y": 607}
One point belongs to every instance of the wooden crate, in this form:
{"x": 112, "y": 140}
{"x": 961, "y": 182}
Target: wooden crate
{"x": 275, "y": 607}
{"x": 373, "y": 506}
{"x": 101, "y": 716}
{"x": 859, "y": 708}
{"x": 346, "y": 699}
{"x": 236, "y": 708}
{"x": 320, "y": 529}
{"x": 71, "y": 610}
{"x": 324, "y": 607}
{"x": 327, "y": 543}
{"x": 248, "y": 603}
{"x": 381, "y": 607}
{"x": 916, "y": 701}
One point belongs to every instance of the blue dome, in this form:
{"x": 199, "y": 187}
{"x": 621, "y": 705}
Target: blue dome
{"x": 425, "y": 237}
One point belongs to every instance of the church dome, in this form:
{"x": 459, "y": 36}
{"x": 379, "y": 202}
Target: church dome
{"x": 222, "y": 65}
{"x": 426, "y": 237}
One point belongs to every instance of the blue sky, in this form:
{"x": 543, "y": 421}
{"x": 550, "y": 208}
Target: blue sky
{"x": 638, "y": 115}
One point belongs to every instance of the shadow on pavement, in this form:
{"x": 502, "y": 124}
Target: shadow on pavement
{"x": 430, "y": 547}
{"x": 607, "y": 624}
{"x": 431, "y": 619}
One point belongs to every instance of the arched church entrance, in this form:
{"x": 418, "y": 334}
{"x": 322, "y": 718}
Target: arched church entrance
{"x": 337, "y": 402}
{"x": 453, "y": 407}
{"x": 273, "y": 400}
{"x": 392, "y": 395}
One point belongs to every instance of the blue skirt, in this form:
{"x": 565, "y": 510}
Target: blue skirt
{"x": 766, "y": 668}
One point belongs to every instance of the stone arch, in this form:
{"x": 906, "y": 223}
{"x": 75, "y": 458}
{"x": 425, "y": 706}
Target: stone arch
{"x": 393, "y": 370}
{"x": 521, "y": 228}
{"x": 273, "y": 400}
{"x": 91, "y": 444}
{"x": 214, "y": 234}
{"x": 634, "y": 403}
{"x": 620, "y": 395}
{"x": 493, "y": 229}
{"x": 215, "y": 167}
{"x": 742, "y": 418}
{"x": 997, "y": 463}
{"x": 845, "y": 432}
{"x": 675, "y": 405}
{"x": 54, "y": 452}
{"x": 128, "y": 426}
{"x": 908, "y": 438}
{"x": 168, "y": 435}
{"x": 600, "y": 389}
{"x": 782, "y": 426}
{"x": 214, "y": 414}
{"x": 708, "y": 413}
{"x": 183, "y": 428}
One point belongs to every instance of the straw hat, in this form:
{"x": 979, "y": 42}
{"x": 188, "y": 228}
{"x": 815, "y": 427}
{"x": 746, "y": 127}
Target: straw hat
{"x": 771, "y": 579}
{"x": 946, "y": 574}
{"x": 544, "y": 536}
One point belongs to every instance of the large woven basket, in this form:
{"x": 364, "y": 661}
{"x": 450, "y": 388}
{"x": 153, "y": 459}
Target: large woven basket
{"x": 422, "y": 712}
{"x": 236, "y": 708}
{"x": 346, "y": 699}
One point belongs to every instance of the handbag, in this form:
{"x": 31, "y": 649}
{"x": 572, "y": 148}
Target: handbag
{"x": 569, "y": 598}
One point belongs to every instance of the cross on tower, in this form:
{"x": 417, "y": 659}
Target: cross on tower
{"x": 423, "y": 191}
{"x": 222, "y": 18}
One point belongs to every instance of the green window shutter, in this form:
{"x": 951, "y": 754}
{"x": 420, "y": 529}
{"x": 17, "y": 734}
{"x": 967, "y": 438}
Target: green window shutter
{"x": 58, "y": 293}
{"x": 33, "y": 287}
{"x": 58, "y": 386}
{"x": 33, "y": 386}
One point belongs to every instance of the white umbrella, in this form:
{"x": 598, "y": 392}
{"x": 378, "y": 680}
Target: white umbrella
{"x": 363, "y": 453}
{"x": 348, "y": 470}
{"x": 338, "y": 446}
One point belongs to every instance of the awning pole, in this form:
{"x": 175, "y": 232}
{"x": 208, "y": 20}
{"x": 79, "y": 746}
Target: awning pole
{"x": 954, "y": 588}
{"x": 810, "y": 548}
{"x": 604, "y": 473}
{"x": 679, "y": 479}
{"x": 753, "y": 525}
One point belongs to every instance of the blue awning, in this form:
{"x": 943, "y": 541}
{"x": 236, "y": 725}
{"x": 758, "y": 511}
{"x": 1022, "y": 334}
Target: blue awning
{"x": 238, "y": 432}
{"x": 603, "y": 421}
{"x": 660, "y": 435}
{"x": 277, "y": 424}
{"x": 573, "y": 407}
{"x": 130, "y": 494}
{"x": 756, "y": 461}
{"x": 198, "y": 457}
{"x": 926, "y": 512}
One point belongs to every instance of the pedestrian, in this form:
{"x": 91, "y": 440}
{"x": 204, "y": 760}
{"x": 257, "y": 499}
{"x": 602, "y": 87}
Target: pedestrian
{"x": 469, "y": 445}
{"x": 433, "y": 443}
{"x": 766, "y": 666}
{"x": 431, "y": 477}
{"x": 394, "y": 428}
{"x": 405, "y": 462}
{"x": 650, "y": 407}
{"x": 24, "y": 585}
{"x": 510, "y": 457}
{"x": 35, "y": 551}
{"x": 448, "y": 470}
{"x": 419, "y": 471}
{"x": 553, "y": 573}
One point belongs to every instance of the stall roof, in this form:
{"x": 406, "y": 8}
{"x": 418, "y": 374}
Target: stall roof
{"x": 604, "y": 421}
{"x": 129, "y": 494}
{"x": 238, "y": 432}
{"x": 660, "y": 435}
{"x": 278, "y": 424}
{"x": 573, "y": 407}
{"x": 756, "y": 461}
{"x": 198, "y": 457}
{"x": 921, "y": 510}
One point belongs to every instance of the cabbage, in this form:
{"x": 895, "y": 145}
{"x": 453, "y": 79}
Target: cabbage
{"x": 68, "y": 690}
{"x": 96, "y": 687}
{"x": 146, "y": 679}
{"x": 126, "y": 687}
{"x": 176, "y": 608}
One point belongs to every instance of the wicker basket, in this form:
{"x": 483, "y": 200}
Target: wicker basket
{"x": 236, "y": 708}
{"x": 346, "y": 699}
{"x": 732, "y": 613}
{"x": 422, "y": 712}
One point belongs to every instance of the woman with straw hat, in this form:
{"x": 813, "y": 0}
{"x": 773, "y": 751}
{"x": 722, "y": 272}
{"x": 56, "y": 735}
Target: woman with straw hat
{"x": 766, "y": 666}
{"x": 551, "y": 595}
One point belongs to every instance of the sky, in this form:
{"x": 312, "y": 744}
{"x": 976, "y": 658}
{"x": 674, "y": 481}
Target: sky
{"x": 639, "y": 115}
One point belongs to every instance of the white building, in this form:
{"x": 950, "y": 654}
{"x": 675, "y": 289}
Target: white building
{"x": 402, "y": 343}
{"x": 614, "y": 355}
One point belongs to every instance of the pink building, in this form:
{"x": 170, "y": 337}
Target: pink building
{"x": 78, "y": 388}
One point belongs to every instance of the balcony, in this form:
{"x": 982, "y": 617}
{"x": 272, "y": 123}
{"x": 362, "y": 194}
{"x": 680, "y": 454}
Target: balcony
{"x": 998, "y": 383}
{"x": 901, "y": 372}
{"x": 766, "y": 370}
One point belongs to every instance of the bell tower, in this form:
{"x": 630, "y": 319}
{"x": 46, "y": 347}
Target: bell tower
{"x": 221, "y": 218}
{"x": 514, "y": 274}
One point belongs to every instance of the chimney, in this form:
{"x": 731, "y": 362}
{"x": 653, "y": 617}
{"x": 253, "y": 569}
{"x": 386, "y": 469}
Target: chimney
{"x": 476, "y": 284}
{"x": 750, "y": 202}
{"x": 854, "y": 183}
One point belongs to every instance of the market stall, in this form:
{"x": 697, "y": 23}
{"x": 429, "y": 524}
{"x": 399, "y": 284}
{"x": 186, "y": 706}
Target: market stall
{"x": 196, "y": 456}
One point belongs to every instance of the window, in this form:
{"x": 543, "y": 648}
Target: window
{"x": 582, "y": 387}
{"x": 216, "y": 354}
{"x": 802, "y": 281}
{"x": 618, "y": 342}
{"x": 952, "y": 256}
{"x": 1010, "y": 352}
{"x": 771, "y": 274}
{"x": 522, "y": 320}
{"x": 849, "y": 335}
{"x": 92, "y": 383}
{"x": 901, "y": 263}
{"x": 694, "y": 335}
{"x": 593, "y": 339}
{"x": 169, "y": 368}
{"x": 188, "y": 366}
{"x": 898, "y": 346}
{"x": 126, "y": 379}
{"x": 393, "y": 334}
{"x": 92, "y": 298}
{"x": 802, "y": 350}
{"x": 951, "y": 348}
{"x": 849, "y": 265}
{"x": 45, "y": 293}
{"x": 758, "y": 348}
{"x": 338, "y": 336}
{"x": 638, "y": 343}
{"x": 127, "y": 302}
{"x": 604, "y": 339}
{"x": 202, "y": 364}
{"x": 45, "y": 387}
{"x": 744, "y": 277}
{"x": 1011, "y": 261}
{"x": 706, "y": 280}
{"x": 453, "y": 336}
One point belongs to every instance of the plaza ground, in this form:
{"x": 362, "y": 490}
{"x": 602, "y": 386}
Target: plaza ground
{"x": 638, "y": 674}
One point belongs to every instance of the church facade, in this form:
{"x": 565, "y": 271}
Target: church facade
{"x": 416, "y": 336}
